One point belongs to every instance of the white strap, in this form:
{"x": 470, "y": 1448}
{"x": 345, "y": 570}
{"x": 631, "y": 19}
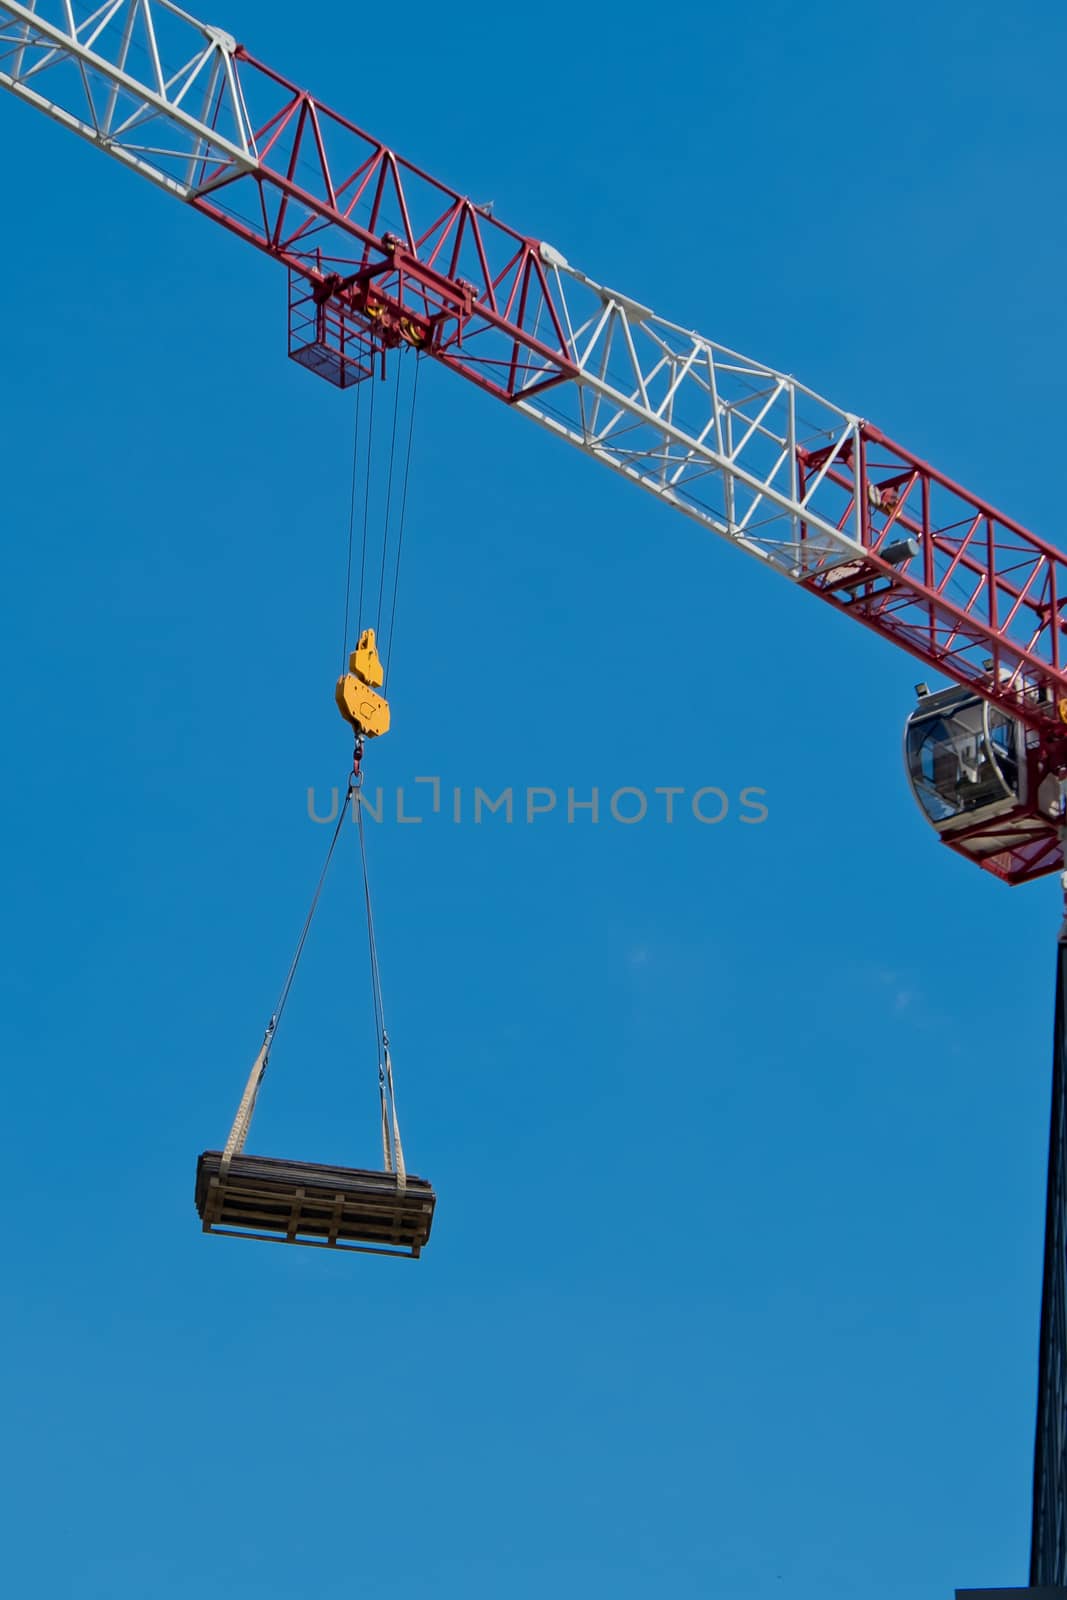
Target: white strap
{"x": 243, "y": 1120}
{"x": 387, "y": 1154}
{"x": 398, "y": 1148}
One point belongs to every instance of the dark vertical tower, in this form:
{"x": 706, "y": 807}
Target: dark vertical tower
{"x": 1048, "y": 1548}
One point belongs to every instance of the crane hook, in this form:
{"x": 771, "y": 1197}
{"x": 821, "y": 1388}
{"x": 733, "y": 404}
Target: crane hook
{"x": 356, "y": 696}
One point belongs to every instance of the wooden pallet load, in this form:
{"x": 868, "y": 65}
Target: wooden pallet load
{"x": 300, "y": 1202}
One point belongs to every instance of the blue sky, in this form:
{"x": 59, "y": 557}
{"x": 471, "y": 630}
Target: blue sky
{"x": 738, "y": 1132}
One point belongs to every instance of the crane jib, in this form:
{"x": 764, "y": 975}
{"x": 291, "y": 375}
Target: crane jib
{"x": 383, "y": 256}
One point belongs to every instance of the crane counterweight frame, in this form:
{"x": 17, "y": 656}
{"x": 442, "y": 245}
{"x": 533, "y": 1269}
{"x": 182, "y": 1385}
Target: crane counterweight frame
{"x": 381, "y": 255}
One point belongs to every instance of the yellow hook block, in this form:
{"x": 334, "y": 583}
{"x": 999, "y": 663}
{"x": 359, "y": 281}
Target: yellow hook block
{"x": 357, "y": 701}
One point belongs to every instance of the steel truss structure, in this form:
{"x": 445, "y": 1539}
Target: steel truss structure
{"x": 382, "y": 256}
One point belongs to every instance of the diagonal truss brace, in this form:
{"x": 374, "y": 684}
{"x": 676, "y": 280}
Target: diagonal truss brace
{"x": 166, "y": 122}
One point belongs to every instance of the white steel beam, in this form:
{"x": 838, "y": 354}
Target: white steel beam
{"x": 140, "y": 79}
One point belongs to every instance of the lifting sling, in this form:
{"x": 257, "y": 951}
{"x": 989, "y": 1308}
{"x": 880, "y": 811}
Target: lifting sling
{"x": 392, "y": 1148}
{"x": 384, "y": 1212}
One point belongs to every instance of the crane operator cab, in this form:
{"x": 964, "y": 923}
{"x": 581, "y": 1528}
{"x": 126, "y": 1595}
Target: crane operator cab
{"x": 977, "y": 778}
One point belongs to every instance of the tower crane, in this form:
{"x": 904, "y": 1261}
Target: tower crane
{"x": 380, "y": 256}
